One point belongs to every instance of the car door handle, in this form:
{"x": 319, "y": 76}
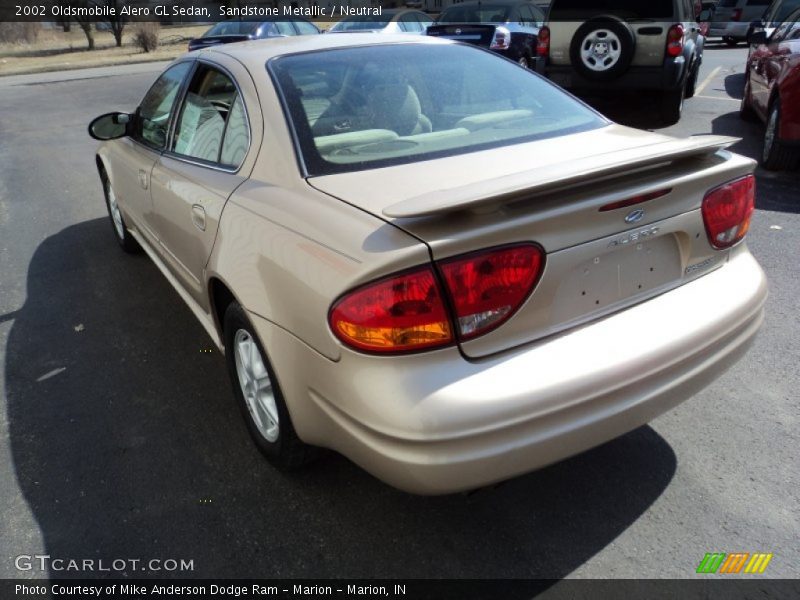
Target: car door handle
{"x": 143, "y": 178}
{"x": 199, "y": 217}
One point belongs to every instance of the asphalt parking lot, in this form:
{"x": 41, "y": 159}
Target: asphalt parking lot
{"x": 120, "y": 438}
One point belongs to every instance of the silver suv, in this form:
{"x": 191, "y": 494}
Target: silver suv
{"x": 613, "y": 45}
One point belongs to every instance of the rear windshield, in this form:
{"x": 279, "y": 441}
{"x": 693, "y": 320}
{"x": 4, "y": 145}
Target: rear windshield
{"x": 372, "y": 106}
{"x": 566, "y": 10}
{"x": 479, "y": 13}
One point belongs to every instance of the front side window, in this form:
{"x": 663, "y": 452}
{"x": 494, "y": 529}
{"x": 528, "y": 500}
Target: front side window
{"x": 367, "y": 107}
{"x": 306, "y": 28}
{"x": 157, "y": 106}
{"x": 212, "y": 126}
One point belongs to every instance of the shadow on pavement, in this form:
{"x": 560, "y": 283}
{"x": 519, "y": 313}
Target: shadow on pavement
{"x": 127, "y": 443}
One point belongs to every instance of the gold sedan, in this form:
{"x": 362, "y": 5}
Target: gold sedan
{"x": 434, "y": 261}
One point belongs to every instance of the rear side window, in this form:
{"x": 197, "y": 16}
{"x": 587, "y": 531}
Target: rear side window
{"x": 212, "y": 126}
{"x": 568, "y": 10}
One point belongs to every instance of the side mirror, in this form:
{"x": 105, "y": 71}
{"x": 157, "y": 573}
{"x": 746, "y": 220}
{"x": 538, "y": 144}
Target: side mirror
{"x": 110, "y": 126}
{"x": 756, "y": 38}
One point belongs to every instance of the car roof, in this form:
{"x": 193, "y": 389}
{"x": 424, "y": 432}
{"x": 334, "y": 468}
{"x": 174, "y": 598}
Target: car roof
{"x": 254, "y": 54}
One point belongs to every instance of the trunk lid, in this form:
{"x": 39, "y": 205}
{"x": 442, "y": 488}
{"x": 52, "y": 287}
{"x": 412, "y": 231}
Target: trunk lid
{"x": 551, "y": 192}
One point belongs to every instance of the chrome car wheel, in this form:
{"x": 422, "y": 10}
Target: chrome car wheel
{"x": 116, "y": 215}
{"x": 256, "y": 385}
{"x": 601, "y": 50}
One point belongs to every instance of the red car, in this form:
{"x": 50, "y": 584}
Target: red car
{"x": 772, "y": 92}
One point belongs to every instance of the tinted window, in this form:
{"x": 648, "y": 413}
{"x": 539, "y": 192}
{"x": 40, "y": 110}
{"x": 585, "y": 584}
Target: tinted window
{"x": 728, "y": 3}
{"x": 156, "y": 107}
{"x": 758, "y": 2}
{"x": 628, "y": 9}
{"x": 360, "y": 108}
{"x": 483, "y": 13}
{"x": 306, "y": 28}
{"x": 362, "y": 23}
{"x": 232, "y": 28}
{"x": 211, "y": 105}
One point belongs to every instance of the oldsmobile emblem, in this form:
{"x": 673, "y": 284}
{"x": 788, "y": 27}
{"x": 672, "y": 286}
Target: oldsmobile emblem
{"x": 635, "y": 216}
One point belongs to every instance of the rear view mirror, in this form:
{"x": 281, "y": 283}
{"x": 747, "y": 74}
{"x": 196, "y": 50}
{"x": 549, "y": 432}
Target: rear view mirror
{"x": 757, "y": 38}
{"x": 109, "y": 126}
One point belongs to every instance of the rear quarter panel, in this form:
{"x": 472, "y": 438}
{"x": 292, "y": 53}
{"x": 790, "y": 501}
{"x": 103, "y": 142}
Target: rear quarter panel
{"x": 790, "y": 97}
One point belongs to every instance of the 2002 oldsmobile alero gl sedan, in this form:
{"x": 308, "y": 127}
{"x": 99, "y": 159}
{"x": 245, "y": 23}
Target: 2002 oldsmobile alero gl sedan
{"x": 432, "y": 260}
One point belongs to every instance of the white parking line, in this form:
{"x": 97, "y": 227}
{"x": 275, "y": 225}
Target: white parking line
{"x": 707, "y": 80}
{"x": 728, "y": 98}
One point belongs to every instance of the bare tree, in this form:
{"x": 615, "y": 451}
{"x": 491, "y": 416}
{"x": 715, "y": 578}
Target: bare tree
{"x": 117, "y": 22}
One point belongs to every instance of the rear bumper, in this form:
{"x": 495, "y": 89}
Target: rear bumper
{"x": 435, "y": 423}
{"x": 669, "y": 76}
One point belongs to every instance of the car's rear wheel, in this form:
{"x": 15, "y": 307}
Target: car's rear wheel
{"x": 524, "y": 62}
{"x": 672, "y": 105}
{"x": 777, "y": 156}
{"x": 602, "y": 48}
{"x": 691, "y": 83}
{"x": 118, "y": 225}
{"x": 731, "y": 41}
{"x": 259, "y": 395}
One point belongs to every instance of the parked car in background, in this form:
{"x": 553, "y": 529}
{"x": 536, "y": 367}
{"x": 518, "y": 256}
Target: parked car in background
{"x": 420, "y": 255}
{"x": 508, "y": 27}
{"x": 608, "y": 46}
{"x": 414, "y": 22}
{"x": 776, "y": 14}
{"x": 226, "y": 32}
{"x": 772, "y": 92}
{"x": 732, "y": 19}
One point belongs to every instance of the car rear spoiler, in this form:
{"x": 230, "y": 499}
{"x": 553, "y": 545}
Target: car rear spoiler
{"x": 535, "y": 182}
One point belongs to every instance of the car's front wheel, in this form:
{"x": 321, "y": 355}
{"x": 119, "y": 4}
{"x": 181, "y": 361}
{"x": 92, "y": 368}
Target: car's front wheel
{"x": 121, "y": 233}
{"x": 259, "y": 395}
{"x": 777, "y": 156}
{"x": 731, "y": 41}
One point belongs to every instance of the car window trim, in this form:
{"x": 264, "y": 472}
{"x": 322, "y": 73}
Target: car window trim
{"x": 178, "y": 97}
{"x": 217, "y": 166}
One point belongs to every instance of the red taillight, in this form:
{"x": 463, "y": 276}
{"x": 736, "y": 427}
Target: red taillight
{"x": 543, "y": 44}
{"x": 501, "y": 39}
{"x": 727, "y": 210}
{"x": 400, "y": 313}
{"x": 406, "y": 312}
{"x": 486, "y": 288}
{"x": 737, "y": 14}
{"x": 675, "y": 40}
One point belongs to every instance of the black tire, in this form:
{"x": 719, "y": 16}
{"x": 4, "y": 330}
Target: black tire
{"x": 691, "y": 82}
{"x": 672, "y": 105}
{"x": 286, "y": 451}
{"x": 731, "y": 41}
{"x": 524, "y": 61}
{"x": 120, "y": 229}
{"x": 746, "y": 112}
{"x": 627, "y": 43}
{"x": 776, "y": 156}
